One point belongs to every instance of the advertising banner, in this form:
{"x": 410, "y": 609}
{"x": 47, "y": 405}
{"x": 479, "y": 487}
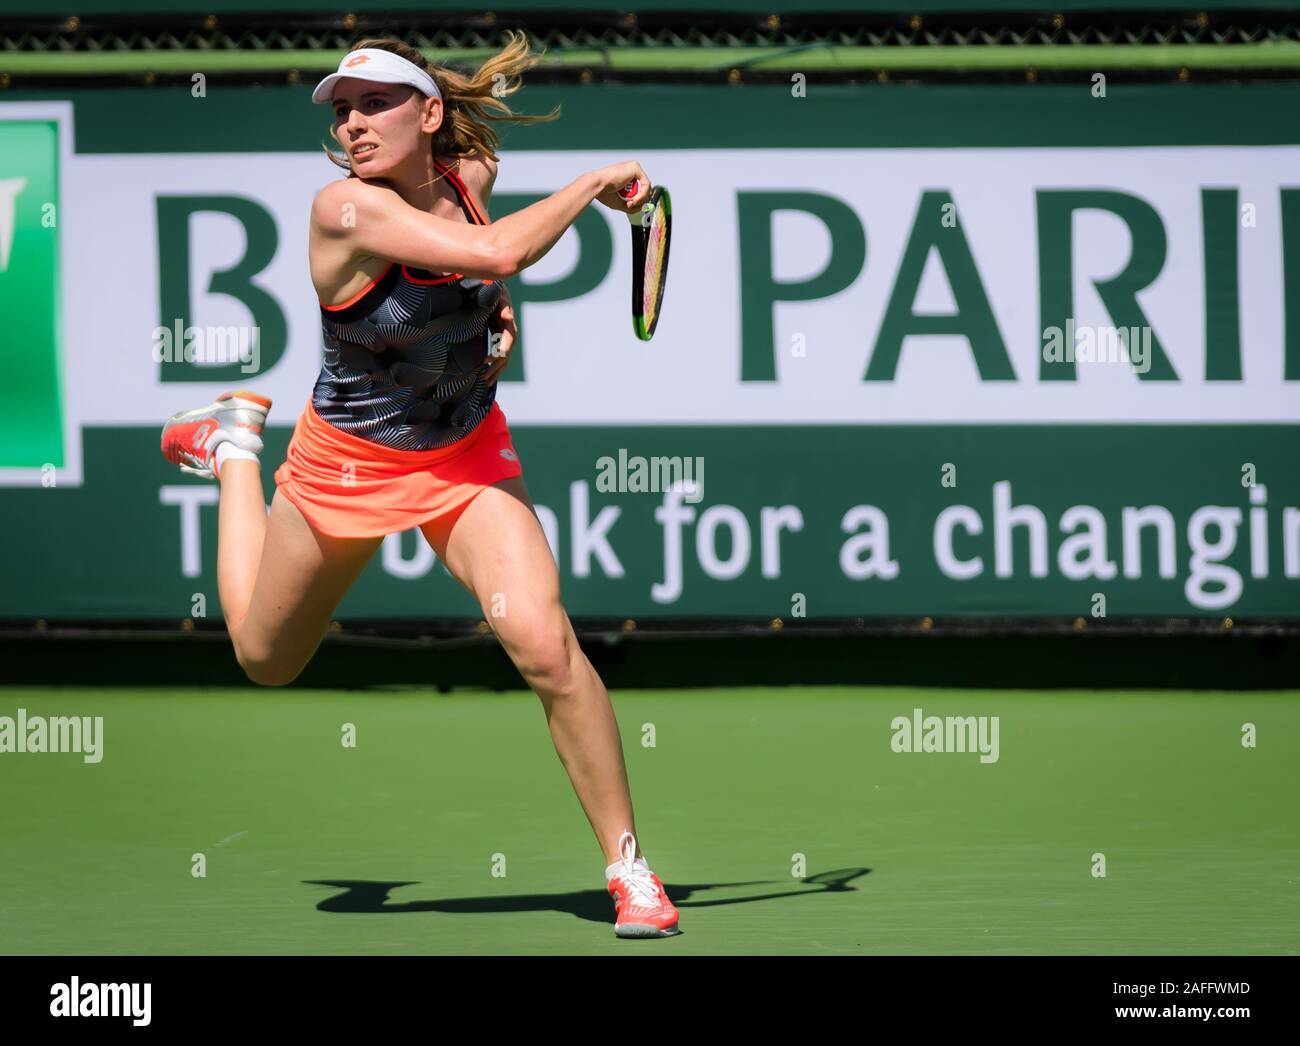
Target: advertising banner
{"x": 894, "y": 376}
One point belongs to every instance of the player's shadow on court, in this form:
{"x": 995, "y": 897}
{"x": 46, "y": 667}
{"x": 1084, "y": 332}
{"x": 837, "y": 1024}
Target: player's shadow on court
{"x": 366, "y": 896}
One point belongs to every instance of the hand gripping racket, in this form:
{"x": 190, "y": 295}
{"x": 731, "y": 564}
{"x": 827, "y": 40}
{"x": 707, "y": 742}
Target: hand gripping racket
{"x": 651, "y": 232}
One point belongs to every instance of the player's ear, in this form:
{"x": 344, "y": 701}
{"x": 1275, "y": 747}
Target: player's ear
{"x": 433, "y": 114}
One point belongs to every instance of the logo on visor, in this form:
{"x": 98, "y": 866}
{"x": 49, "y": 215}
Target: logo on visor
{"x": 356, "y": 61}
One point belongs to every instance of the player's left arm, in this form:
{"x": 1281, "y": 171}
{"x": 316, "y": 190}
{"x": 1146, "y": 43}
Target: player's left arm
{"x": 479, "y": 173}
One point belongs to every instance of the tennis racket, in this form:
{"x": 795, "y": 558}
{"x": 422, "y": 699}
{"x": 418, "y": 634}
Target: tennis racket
{"x": 651, "y": 232}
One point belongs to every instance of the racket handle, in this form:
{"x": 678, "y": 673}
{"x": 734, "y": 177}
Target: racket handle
{"x": 630, "y": 189}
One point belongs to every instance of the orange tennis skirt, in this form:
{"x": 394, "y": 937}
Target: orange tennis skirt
{"x": 348, "y": 487}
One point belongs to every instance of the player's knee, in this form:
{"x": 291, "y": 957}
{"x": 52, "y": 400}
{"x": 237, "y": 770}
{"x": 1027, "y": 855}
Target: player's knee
{"x": 272, "y": 675}
{"x": 265, "y": 673}
{"x": 264, "y": 669}
{"x": 546, "y": 660}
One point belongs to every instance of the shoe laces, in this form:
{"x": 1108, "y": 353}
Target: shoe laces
{"x": 641, "y": 886}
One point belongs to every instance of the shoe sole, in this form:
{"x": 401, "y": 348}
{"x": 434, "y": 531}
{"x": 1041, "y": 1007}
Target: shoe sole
{"x": 241, "y": 400}
{"x": 642, "y": 930}
{"x": 249, "y": 400}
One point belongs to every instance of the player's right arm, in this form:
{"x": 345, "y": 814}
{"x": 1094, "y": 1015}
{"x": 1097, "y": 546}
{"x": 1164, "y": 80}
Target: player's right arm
{"x": 364, "y": 219}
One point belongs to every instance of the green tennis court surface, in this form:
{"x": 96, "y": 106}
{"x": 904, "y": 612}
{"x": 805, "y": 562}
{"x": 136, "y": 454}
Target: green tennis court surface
{"x": 1198, "y": 832}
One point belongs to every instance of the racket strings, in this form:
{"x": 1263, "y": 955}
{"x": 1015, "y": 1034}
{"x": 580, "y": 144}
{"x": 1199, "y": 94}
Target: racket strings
{"x": 654, "y": 258}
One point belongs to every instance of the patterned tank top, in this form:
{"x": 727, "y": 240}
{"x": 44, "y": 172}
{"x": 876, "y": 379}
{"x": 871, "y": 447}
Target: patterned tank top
{"x": 404, "y": 359}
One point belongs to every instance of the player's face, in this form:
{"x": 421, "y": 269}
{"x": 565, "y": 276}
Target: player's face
{"x": 382, "y": 125}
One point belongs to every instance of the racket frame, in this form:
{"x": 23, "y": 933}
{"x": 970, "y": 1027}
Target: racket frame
{"x": 640, "y": 242}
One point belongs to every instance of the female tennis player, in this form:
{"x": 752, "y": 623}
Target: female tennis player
{"x": 402, "y": 428}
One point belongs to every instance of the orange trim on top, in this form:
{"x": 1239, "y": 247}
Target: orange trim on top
{"x": 429, "y": 283}
{"x": 360, "y": 294}
{"x": 461, "y": 190}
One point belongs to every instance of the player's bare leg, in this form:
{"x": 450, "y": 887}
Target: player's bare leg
{"x": 279, "y": 580}
{"x": 301, "y": 576}
{"x": 497, "y": 549}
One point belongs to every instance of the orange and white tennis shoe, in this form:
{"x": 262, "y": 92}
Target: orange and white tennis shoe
{"x": 190, "y": 438}
{"x": 641, "y": 906}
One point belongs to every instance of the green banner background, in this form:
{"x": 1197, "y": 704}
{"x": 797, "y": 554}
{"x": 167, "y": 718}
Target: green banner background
{"x": 113, "y": 549}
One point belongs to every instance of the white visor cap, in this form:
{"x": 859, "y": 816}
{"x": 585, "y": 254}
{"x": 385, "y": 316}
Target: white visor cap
{"x": 380, "y": 66}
